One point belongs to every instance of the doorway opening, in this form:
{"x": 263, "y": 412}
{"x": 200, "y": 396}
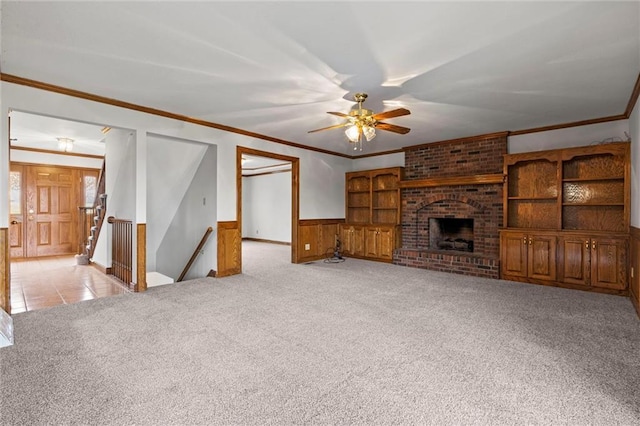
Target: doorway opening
{"x": 268, "y": 199}
{"x": 54, "y": 168}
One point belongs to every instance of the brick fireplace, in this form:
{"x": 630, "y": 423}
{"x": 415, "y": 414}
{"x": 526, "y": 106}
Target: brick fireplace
{"x": 452, "y": 206}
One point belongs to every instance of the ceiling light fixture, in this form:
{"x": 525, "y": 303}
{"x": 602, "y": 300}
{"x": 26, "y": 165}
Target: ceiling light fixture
{"x": 361, "y": 123}
{"x": 65, "y": 144}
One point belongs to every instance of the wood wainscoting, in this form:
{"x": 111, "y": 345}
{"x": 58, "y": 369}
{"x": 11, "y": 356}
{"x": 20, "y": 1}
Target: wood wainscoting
{"x": 634, "y": 267}
{"x": 5, "y": 284}
{"x": 317, "y": 238}
{"x": 141, "y": 257}
{"x": 229, "y": 249}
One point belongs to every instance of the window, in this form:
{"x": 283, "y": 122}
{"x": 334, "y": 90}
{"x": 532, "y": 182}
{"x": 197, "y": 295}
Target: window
{"x": 15, "y": 192}
{"x": 90, "y": 183}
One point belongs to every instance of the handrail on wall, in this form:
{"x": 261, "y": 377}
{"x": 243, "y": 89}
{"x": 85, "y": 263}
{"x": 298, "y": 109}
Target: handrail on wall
{"x": 203, "y": 241}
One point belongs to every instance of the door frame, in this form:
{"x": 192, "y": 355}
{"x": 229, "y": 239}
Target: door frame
{"x": 295, "y": 192}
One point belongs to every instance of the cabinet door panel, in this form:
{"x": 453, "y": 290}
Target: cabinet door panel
{"x": 346, "y": 239}
{"x": 357, "y": 244}
{"x": 371, "y": 242}
{"x": 608, "y": 260}
{"x": 514, "y": 254}
{"x": 575, "y": 260}
{"x": 542, "y": 257}
{"x": 386, "y": 243}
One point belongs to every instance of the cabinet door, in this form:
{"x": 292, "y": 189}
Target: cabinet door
{"x": 513, "y": 247}
{"x": 386, "y": 243}
{"x": 575, "y": 266}
{"x": 357, "y": 243}
{"x": 346, "y": 239}
{"x": 608, "y": 260}
{"x": 541, "y": 257}
{"x": 372, "y": 242}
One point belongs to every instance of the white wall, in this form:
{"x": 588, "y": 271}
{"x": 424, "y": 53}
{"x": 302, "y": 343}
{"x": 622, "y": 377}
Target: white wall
{"x": 196, "y": 212}
{"x": 119, "y": 186}
{"x": 612, "y": 131}
{"x": 634, "y": 130}
{"x": 378, "y": 162}
{"x": 266, "y": 207}
{"x": 321, "y": 175}
{"x": 171, "y": 165}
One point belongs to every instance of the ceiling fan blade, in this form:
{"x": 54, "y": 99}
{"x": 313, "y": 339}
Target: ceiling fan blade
{"x": 393, "y": 128}
{"x": 328, "y": 128}
{"x": 339, "y": 114}
{"x": 390, "y": 114}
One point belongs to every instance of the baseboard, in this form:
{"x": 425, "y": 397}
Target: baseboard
{"x": 261, "y": 240}
{"x": 100, "y": 267}
{"x": 634, "y": 266}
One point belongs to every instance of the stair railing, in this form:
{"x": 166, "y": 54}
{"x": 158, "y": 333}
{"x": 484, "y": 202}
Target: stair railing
{"x": 121, "y": 249}
{"x": 195, "y": 254}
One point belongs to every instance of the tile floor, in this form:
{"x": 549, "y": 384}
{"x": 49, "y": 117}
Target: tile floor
{"x": 50, "y": 281}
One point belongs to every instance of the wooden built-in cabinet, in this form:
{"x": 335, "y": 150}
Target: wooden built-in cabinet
{"x": 529, "y": 255}
{"x": 372, "y": 200}
{"x": 566, "y": 219}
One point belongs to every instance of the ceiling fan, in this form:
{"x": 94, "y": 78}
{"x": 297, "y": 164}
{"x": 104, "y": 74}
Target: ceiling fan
{"x": 363, "y": 122}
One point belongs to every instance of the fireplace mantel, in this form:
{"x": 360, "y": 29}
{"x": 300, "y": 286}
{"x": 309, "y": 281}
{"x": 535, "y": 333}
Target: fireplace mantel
{"x": 455, "y": 180}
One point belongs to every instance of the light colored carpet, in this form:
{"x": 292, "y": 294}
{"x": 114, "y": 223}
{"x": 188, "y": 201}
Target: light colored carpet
{"x": 351, "y": 343}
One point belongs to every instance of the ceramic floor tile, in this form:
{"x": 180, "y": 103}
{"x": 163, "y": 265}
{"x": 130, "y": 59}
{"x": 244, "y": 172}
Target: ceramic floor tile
{"x": 46, "y": 282}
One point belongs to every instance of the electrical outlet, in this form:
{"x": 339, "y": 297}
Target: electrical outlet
{"x": 307, "y": 246}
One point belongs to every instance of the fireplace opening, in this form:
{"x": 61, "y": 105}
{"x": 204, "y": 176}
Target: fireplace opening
{"x": 451, "y": 234}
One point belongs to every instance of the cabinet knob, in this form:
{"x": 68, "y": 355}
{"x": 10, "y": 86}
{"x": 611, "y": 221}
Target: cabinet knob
{"x": 586, "y": 244}
{"x": 529, "y": 240}
{"x": 524, "y": 240}
{"x": 593, "y": 245}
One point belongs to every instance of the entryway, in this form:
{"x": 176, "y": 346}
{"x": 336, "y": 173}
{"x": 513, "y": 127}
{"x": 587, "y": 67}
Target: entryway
{"x": 57, "y": 280}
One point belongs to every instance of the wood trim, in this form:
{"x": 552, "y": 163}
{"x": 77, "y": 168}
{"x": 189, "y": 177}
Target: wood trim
{"x": 377, "y": 154}
{"x": 229, "y": 244}
{"x": 50, "y": 151}
{"x": 101, "y": 268}
{"x": 262, "y": 240}
{"x": 5, "y": 266}
{"x": 295, "y": 190}
{"x": 141, "y": 257}
{"x": 456, "y": 180}
{"x": 571, "y": 286}
{"x": 633, "y": 99}
{"x": 568, "y": 125}
{"x": 634, "y": 262}
{"x": 309, "y": 222}
{"x": 20, "y": 163}
{"x": 266, "y": 167}
{"x": 459, "y": 140}
{"x": 9, "y": 78}
{"x": 267, "y": 173}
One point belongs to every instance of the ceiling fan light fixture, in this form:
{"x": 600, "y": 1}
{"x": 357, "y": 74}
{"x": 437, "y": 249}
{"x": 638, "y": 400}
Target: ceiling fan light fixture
{"x": 353, "y": 133}
{"x": 65, "y": 144}
{"x": 369, "y": 132}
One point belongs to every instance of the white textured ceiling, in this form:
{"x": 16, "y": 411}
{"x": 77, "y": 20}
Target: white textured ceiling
{"x": 275, "y": 68}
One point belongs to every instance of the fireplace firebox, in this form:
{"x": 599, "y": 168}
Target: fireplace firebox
{"x": 451, "y": 234}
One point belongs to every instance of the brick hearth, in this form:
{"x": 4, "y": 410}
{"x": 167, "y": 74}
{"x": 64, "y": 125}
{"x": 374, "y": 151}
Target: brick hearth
{"x": 456, "y": 179}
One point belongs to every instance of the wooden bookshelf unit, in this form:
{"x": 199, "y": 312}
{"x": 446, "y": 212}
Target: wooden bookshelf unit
{"x": 372, "y": 202}
{"x": 566, "y": 219}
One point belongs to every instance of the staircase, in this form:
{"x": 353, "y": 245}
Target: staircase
{"x": 99, "y": 209}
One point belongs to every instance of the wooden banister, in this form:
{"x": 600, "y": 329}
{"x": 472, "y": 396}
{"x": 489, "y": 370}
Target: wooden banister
{"x": 203, "y": 241}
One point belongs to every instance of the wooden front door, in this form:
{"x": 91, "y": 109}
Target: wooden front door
{"x": 51, "y": 210}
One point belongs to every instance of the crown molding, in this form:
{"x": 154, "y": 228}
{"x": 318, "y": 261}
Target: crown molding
{"x": 9, "y": 78}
